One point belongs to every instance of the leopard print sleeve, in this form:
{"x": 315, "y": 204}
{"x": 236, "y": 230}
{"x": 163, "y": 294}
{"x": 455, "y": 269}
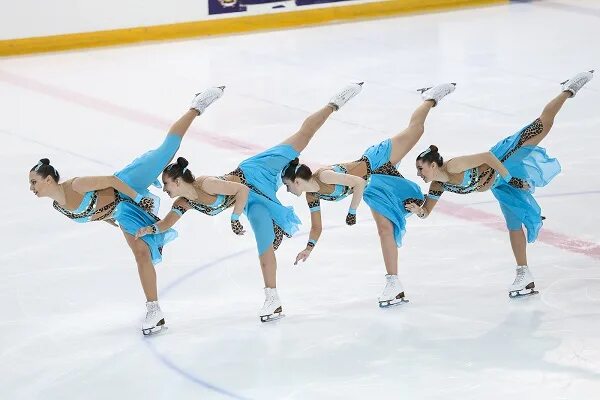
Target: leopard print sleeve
{"x": 180, "y": 206}
{"x": 314, "y": 203}
{"x": 435, "y": 191}
{"x": 147, "y": 204}
{"x": 517, "y": 183}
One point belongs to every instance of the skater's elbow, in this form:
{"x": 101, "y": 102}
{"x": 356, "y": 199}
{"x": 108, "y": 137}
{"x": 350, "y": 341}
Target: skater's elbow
{"x": 316, "y": 229}
{"x": 243, "y": 189}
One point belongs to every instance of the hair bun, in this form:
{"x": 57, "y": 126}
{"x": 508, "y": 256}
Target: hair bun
{"x": 433, "y": 148}
{"x": 182, "y": 162}
{"x": 45, "y": 161}
{"x": 295, "y": 162}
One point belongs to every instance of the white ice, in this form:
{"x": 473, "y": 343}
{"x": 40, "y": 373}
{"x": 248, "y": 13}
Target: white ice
{"x": 71, "y": 303}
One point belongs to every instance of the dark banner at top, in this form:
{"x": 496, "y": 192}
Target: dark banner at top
{"x": 234, "y": 6}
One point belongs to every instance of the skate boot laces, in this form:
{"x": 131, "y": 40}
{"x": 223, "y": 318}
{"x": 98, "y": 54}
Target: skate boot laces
{"x": 520, "y": 276}
{"x": 153, "y": 310}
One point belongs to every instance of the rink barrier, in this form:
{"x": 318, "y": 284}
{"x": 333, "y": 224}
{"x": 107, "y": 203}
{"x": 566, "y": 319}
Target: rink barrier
{"x": 225, "y": 26}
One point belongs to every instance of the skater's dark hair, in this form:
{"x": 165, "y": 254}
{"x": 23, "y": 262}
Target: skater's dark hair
{"x": 296, "y": 170}
{"x": 179, "y": 169}
{"x": 44, "y": 169}
{"x": 431, "y": 155}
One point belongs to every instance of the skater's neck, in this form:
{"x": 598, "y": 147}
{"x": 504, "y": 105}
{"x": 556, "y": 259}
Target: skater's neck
{"x": 57, "y": 193}
{"x": 190, "y": 191}
{"x": 312, "y": 185}
{"x": 441, "y": 174}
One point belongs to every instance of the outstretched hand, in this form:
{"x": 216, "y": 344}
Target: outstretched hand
{"x": 147, "y": 230}
{"x": 413, "y": 208}
{"x": 302, "y": 256}
{"x": 237, "y": 227}
{"x": 350, "y": 219}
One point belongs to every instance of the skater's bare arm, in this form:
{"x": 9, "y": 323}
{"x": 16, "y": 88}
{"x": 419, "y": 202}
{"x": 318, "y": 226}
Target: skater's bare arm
{"x": 180, "y": 206}
{"x": 219, "y": 186}
{"x": 461, "y": 164}
{"x": 91, "y": 183}
{"x": 435, "y": 191}
{"x": 316, "y": 228}
{"x": 496, "y": 164}
{"x": 355, "y": 182}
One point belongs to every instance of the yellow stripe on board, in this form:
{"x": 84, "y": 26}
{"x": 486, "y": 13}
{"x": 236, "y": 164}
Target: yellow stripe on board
{"x": 249, "y": 23}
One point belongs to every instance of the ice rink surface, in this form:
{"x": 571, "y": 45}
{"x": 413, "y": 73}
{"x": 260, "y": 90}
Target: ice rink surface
{"x": 71, "y": 300}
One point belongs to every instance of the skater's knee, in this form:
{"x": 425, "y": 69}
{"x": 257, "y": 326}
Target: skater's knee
{"x": 513, "y": 224}
{"x": 142, "y": 257}
{"x": 172, "y": 142}
{"x": 169, "y": 147}
{"x": 517, "y": 235}
{"x": 545, "y": 123}
{"x": 535, "y": 131}
{"x": 267, "y": 258}
{"x": 178, "y": 134}
{"x": 512, "y": 220}
{"x": 385, "y": 230}
{"x": 141, "y": 253}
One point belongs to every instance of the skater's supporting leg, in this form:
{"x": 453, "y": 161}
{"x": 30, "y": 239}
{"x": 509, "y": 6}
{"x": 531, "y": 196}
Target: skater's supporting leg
{"x": 389, "y": 248}
{"x": 268, "y": 265}
{"x": 146, "y": 269}
{"x": 154, "y": 321}
{"x": 262, "y": 226}
{"x": 393, "y": 293}
{"x": 519, "y": 246}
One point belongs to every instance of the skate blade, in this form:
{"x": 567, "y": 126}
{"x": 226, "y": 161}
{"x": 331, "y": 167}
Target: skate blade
{"x": 396, "y": 301}
{"x": 522, "y": 293}
{"x": 272, "y": 317}
{"x": 423, "y": 90}
{"x": 157, "y": 330}
{"x": 392, "y": 303}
